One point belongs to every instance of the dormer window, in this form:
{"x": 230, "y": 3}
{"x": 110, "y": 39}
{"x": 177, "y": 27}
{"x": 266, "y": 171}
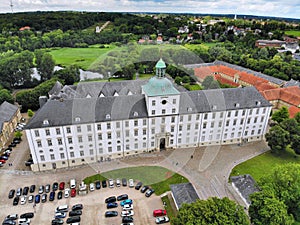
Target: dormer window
{"x": 129, "y": 93}
{"x": 135, "y": 114}
{"x": 116, "y": 94}
{"x": 189, "y": 109}
{"x": 77, "y": 119}
{"x": 214, "y": 107}
{"x": 258, "y": 102}
{"x": 102, "y": 95}
{"x": 237, "y": 105}
{"x": 107, "y": 116}
{"x": 46, "y": 122}
{"x": 88, "y": 96}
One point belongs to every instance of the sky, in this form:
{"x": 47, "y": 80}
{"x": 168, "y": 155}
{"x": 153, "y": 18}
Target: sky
{"x": 278, "y": 8}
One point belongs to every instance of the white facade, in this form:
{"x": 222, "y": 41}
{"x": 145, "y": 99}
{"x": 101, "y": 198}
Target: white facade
{"x": 165, "y": 127}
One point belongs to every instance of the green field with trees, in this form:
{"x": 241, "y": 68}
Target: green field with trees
{"x": 295, "y": 33}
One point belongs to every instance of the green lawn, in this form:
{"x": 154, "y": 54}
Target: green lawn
{"x": 83, "y": 57}
{"x": 193, "y": 87}
{"x": 263, "y": 164}
{"x": 170, "y": 211}
{"x": 158, "y": 177}
{"x": 295, "y": 33}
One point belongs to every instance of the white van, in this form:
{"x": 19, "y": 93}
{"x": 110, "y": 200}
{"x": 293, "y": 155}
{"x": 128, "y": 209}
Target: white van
{"x": 62, "y": 208}
{"x": 72, "y": 183}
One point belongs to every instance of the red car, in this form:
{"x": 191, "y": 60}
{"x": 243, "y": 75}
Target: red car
{"x": 61, "y": 185}
{"x": 159, "y": 212}
{"x": 73, "y": 192}
{"x": 2, "y": 160}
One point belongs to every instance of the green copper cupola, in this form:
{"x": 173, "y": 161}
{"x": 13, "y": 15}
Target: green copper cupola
{"x": 160, "y": 68}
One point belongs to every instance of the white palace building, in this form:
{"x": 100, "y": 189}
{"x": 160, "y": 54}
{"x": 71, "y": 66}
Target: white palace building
{"x": 97, "y": 121}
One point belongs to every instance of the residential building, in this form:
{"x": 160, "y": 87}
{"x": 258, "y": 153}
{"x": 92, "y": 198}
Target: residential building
{"x": 98, "y": 121}
{"x": 9, "y": 117}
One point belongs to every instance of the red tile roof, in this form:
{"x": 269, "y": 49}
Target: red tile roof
{"x": 293, "y": 110}
{"x": 223, "y": 80}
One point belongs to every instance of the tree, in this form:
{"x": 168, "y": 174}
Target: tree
{"x": 212, "y": 211}
{"x": 265, "y": 208}
{"x": 186, "y": 79}
{"x": 281, "y": 114}
{"x": 46, "y": 66}
{"x": 277, "y": 138}
{"x": 295, "y": 145}
{"x": 178, "y": 80}
{"x": 30, "y": 113}
{"x": 18, "y": 134}
{"x": 69, "y": 75}
{"x": 284, "y": 182}
{"x": 210, "y": 83}
{"x": 5, "y": 95}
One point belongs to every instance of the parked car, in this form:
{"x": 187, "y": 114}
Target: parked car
{"x": 110, "y": 199}
{"x": 127, "y": 219}
{"x": 11, "y": 193}
{"x": 1, "y": 164}
{"x": 32, "y": 188}
{"x": 149, "y": 192}
{"x": 3, "y": 157}
{"x": 47, "y": 188}
{"x": 126, "y": 202}
{"x": 60, "y": 215}
{"x": 24, "y": 221}
{"x": 92, "y": 187}
{"x": 104, "y": 184}
{"x": 74, "y": 219}
{"x": 75, "y": 213}
{"x": 118, "y": 182}
{"x": 67, "y": 193}
{"x": 128, "y": 207}
{"x": 16, "y": 200}
{"x": 54, "y": 186}
{"x": 159, "y": 212}
{"x": 12, "y": 217}
{"x": 57, "y": 222}
{"x": 111, "y": 183}
{"x": 52, "y": 196}
{"x": 111, "y": 205}
{"x": 73, "y": 192}
{"x": 59, "y": 195}
{"x": 127, "y": 213}
{"x": 98, "y": 184}
{"x": 9, "y": 222}
{"x": 2, "y": 161}
{"x": 144, "y": 189}
{"x": 29, "y": 162}
{"x": 30, "y": 198}
{"x": 163, "y": 219}
{"x": 61, "y": 185}
{"x": 19, "y": 192}
{"x": 131, "y": 183}
{"x": 25, "y": 190}
{"x": 44, "y": 197}
{"x": 138, "y": 185}
{"x": 111, "y": 213}
{"x": 62, "y": 208}
{"x": 77, "y": 207}
{"x": 124, "y": 182}
{"x": 27, "y": 215}
{"x": 122, "y": 197}
{"x": 41, "y": 189}
{"x": 37, "y": 199}
{"x": 23, "y": 200}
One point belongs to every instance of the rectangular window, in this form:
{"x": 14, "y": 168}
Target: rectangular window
{"x": 153, "y": 112}
{"x": 202, "y": 138}
{"x": 81, "y": 153}
{"x": 173, "y": 119}
{"x": 80, "y": 139}
{"x": 118, "y": 148}
{"x": 236, "y": 113}
{"x": 90, "y": 138}
{"x": 246, "y": 133}
{"x": 89, "y": 127}
{"x": 262, "y": 119}
{"x": 153, "y": 130}
{"x": 136, "y": 146}
{"x": 163, "y": 111}
{"x": 52, "y": 157}
{"x": 180, "y": 128}
{"x": 36, "y": 133}
{"x": 152, "y": 143}
{"x": 212, "y": 124}
{"x": 171, "y": 142}
{"x": 108, "y": 135}
{"x": 214, "y": 115}
{"x": 39, "y": 143}
{"x": 144, "y": 144}
{"x": 108, "y": 126}
{"x": 220, "y": 123}
{"x": 126, "y": 123}
{"x": 78, "y": 129}
{"x": 68, "y": 130}
{"x": 205, "y": 116}
{"x": 62, "y": 155}
{"x": 229, "y": 114}
{"x": 234, "y": 122}
{"x": 174, "y": 100}
{"x": 179, "y": 140}
{"x": 127, "y": 133}
{"x": 153, "y": 102}
{"x": 99, "y": 137}
{"x": 244, "y": 112}
{"x": 153, "y": 121}
{"x": 249, "y": 120}
{"x": 173, "y": 110}
{"x": 118, "y": 124}
{"x": 210, "y": 137}
{"x": 172, "y": 128}
{"x": 57, "y": 131}
{"x": 59, "y": 141}
{"x": 42, "y": 158}
{"x": 231, "y": 135}
{"x": 196, "y": 126}
{"x": 72, "y": 155}
{"x": 259, "y": 131}
{"x": 136, "y": 132}
{"x": 144, "y": 122}
{"x": 136, "y": 123}
{"x": 242, "y": 121}
{"x": 181, "y": 118}
{"x": 221, "y": 115}
{"x": 91, "y": 151}
{"x": 257, "y": 111}
{"x": 227, "y": 123}
{"x": 264, "y": 110}
{"x": 204, "y": 125}
{"x": 144, "y": 131}
{"x": 189, "y": 117}
{"x": 255, "y": 120}
{"x": 197, "y": 117}
{"x": 252, "y": 132}
{"x": 49, "y": 142}
{"x": 47, "y": 132}
{"x": 118, "y": 134}
{"x": 163, "y": 120}
{"x": 251, "y": 110}
{"x": 162, "y": 129}
{"x": 98, "y": 126}
{"x": 127, "y": 147}
{"x": 188, "y": 126}
{"x": 70, "y": 141}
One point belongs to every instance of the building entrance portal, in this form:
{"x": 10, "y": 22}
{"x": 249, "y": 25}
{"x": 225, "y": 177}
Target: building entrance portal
{"x": 162, "y": 144}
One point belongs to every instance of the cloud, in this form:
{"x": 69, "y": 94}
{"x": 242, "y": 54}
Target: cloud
{"x": 288, "y": 8}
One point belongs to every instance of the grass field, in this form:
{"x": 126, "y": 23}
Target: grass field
{"x": 263, "y": 164}
{"x": 193, "y": 87}
{"x": 83, "y": 57}
{"x": 295, "y": 33}
{"x": 158, "y": 177}
{"x": 205, "y": 46}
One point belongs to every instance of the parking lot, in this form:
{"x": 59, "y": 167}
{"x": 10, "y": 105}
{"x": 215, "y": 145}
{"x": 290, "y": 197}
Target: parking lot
{"x": 94, "y": 206}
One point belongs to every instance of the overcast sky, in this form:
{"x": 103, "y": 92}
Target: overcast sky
{"x": 279, "y": 8}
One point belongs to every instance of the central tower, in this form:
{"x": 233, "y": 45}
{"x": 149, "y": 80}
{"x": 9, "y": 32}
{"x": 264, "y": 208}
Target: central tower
{"x": 162, "y": 98}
